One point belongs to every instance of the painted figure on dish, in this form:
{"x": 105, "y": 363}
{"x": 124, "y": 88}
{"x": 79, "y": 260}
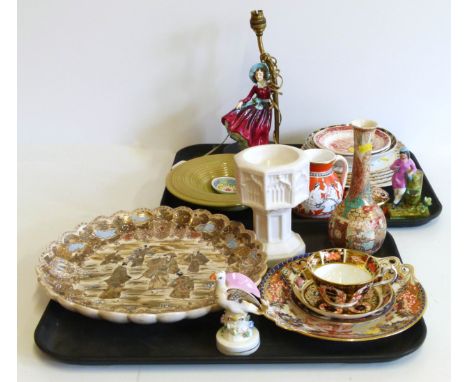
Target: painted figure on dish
{"x": 249, "y": 122}
{"x": 403, "y": 168}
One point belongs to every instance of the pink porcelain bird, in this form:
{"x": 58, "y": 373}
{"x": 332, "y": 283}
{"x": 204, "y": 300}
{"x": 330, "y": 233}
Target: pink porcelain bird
{"x": 237, "y": 293}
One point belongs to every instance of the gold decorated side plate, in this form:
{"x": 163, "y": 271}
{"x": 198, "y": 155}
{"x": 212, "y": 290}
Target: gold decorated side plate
{"x": 191, "y": 181}
{"x": 148, "y": 265}
{"x": 407, "y": 309}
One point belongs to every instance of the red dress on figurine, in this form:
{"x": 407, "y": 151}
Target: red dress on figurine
{"x": 250, "y": 125}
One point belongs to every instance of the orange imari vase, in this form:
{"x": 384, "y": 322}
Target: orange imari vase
{"x": 358, "y": 222}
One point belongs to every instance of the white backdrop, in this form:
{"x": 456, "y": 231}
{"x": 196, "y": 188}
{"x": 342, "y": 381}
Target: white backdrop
{"x": 162, "y": 73}
{"x": 109, "y": 90}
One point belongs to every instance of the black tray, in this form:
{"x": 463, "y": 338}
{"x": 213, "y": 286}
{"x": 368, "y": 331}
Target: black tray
{"x": 245, "y": 216}
{"x": 73, "y": 338}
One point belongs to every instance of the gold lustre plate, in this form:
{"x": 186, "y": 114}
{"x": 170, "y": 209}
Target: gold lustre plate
{"x": 191, "y": 181}
{"x": 145, "y": 265}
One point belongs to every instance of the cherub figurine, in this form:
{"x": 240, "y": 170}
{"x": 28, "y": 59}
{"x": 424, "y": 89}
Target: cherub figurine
{"x": 404, "y": 168}
{"x": 250, "y": 122}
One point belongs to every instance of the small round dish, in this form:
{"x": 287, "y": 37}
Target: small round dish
{"x": 377, "y": 302}
{"x": 224, "y": 185}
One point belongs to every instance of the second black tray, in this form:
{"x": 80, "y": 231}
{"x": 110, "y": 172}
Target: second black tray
{"x": 245, "y": 216}
{"x": 73, "y": 338}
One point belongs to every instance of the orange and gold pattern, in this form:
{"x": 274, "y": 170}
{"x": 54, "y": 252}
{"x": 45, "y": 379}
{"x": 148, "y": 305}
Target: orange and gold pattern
{"x": 408, "y": 308}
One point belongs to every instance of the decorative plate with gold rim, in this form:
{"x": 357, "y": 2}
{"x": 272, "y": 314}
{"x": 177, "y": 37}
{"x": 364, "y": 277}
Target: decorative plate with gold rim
{"x": 191, "y": 181}
{"x": 340, "y": 140}
{"x": 381, "y": 175}
{"x": 408, "y": 308}
{"x": 148, "y": 265}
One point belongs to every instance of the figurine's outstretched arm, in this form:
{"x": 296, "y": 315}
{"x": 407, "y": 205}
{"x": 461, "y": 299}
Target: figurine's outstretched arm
{"x": 246, "y": 99}
{"x": 394, "y": 165}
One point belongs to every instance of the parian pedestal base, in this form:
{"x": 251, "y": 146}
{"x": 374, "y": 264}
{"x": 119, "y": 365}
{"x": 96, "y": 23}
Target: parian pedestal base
{"x": 283, "y": 250}
{"x": 243, "y": 346}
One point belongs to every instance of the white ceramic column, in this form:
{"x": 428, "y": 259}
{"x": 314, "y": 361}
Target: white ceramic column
{"x": 273, "y": 229}
{"x": 272, "y": 180}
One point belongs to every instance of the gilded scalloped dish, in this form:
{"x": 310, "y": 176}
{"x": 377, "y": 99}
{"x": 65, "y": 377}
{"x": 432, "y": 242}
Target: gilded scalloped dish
{"x": 408, "y": 308}
{"x": 148, "y": 265}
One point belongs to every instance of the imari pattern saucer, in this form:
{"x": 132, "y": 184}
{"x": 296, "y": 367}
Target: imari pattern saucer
{"x": 305, "y": 293}
{"x": 148, "y": 265}
{"x": 289, "y": 313}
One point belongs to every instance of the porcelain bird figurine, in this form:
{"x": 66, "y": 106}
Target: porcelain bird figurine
{"x": 239, "y": 296}
{"x": 237, "y": 293}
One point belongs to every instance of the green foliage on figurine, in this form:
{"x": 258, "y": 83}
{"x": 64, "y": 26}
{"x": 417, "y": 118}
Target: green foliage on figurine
{"x": 411, "y": 205}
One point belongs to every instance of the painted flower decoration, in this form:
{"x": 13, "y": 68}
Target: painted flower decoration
{"x": 334, "y": 256}
{"x": 372, "y": 266}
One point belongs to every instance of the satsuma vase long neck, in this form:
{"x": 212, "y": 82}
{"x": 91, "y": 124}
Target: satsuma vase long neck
{"x": 360, "y": 187}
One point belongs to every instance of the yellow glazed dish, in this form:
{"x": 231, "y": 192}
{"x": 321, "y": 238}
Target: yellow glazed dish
{"x": 191, "y": 181}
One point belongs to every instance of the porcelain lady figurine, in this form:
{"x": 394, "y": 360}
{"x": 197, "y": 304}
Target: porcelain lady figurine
{"x": 326, "y": 188}
{"x": 404, "y": 169}
{"x": 250, "y": 122}
{"x": 358, "y": 222}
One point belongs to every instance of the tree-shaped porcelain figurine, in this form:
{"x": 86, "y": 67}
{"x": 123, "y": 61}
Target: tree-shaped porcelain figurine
{"x": 239, "y": 296}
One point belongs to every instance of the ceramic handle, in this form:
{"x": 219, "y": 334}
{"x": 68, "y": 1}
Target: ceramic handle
{"x": 344, "y": 174}
{"x": 390, "y": 269}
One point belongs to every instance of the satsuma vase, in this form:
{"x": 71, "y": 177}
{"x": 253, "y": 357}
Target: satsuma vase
{"x": 358, "y": 222}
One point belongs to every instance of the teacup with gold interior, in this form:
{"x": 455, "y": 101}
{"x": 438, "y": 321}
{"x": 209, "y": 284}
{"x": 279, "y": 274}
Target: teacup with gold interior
{"x": 344, "y": 276}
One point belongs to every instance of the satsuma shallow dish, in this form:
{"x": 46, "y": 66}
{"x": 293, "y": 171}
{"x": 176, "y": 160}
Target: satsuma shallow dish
{"x": 148, "y": 265}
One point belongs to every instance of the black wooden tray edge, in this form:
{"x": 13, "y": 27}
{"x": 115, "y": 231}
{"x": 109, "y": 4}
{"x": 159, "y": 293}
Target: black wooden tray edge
{"x": 226, "y": 360}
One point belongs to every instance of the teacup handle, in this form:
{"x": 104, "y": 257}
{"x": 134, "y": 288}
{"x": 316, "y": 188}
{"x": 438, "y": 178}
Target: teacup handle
{"x": 344, "y": 174}
{"x": 391, "y": 269}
